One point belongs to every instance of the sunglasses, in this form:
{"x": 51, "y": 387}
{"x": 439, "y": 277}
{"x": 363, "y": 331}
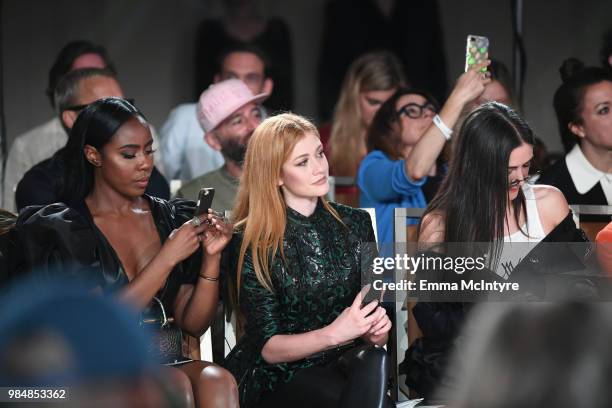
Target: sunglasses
{"x": 78, "y": 108}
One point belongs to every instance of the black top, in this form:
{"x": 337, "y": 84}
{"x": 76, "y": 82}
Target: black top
{"x": 41, "y": 185}
{"x": 275, "y": 42}
{"x": 318, "y": 278}
{"x": 558, "y": 175}
{"x": 59, "y": 241}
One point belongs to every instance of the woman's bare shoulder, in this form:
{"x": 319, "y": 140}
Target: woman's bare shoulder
{"x": 552, "y": 205}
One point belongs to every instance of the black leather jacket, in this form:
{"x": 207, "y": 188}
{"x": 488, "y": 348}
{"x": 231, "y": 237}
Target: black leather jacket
{"x": 63, "y": 242}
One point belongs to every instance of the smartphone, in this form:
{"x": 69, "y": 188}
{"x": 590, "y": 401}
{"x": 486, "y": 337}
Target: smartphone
{"x": 370, "y": 296}
{"x": 476, "y": 51}
{"x": 205, "y": 198}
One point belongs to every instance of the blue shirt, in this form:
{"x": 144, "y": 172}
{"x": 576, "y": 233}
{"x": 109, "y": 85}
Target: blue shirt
{"x": 385, "y": 186}
{"x": 186, "y": 154}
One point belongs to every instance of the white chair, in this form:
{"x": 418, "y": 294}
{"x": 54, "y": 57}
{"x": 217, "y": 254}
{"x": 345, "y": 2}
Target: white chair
{"x": 230, "y": 340}
{"x": 206, "y": 346}
{"x": 405, "y": 327}
{"x": 372, "y": 213}
{"x": 229, "y": 331}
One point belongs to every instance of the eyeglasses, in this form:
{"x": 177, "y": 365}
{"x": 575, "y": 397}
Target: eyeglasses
{"x": 416, "y": 111}
{"x": 529, "y": 179}
{"x": 78, "y": 108}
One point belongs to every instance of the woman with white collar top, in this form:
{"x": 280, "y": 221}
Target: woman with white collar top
{"x": 582, "y": 104}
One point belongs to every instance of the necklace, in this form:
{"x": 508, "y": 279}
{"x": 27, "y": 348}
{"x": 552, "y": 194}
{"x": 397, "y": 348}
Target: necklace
{"x": 137, "y": 210}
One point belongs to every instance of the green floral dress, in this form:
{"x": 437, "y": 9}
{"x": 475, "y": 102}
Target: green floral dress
{"x": 319, "y": 277}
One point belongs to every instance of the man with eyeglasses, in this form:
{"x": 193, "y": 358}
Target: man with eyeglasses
{"x": 185, "y": 154}
{"x": 41, "y": 184}
{"x": 229, "y": 113}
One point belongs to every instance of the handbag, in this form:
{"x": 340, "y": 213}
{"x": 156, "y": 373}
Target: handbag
{"x": 166, "y": 339}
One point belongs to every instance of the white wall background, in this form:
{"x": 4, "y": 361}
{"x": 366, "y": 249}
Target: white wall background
{"x": 151, "y": 42}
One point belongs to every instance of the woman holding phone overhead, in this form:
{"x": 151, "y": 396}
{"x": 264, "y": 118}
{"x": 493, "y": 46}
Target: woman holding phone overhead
{"x": 308, "y": 341}
{"x": 123, "y": 242}
{"x": 404, "y": 141}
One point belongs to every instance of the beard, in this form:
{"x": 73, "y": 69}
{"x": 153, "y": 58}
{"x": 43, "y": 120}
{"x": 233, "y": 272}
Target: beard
{"x": 233, "y": 150}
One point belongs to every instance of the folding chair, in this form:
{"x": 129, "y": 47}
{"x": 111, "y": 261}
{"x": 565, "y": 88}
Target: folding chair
{"x": 405, "y": 329}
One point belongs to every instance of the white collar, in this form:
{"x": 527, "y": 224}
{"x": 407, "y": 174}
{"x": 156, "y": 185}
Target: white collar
{"x": 583, "y": 174}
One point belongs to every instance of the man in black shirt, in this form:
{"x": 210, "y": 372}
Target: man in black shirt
{"x": 42, "y": 183}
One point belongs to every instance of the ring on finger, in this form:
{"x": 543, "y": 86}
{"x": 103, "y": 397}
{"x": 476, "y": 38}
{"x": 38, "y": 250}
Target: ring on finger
{"x": 196, "y": 221}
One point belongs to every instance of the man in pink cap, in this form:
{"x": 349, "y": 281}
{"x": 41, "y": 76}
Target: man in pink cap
{"x": 229, "y": 113}
{"x": 185, "y": 156}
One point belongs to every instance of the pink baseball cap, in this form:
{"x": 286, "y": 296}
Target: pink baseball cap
{"x": 222, "y": 99}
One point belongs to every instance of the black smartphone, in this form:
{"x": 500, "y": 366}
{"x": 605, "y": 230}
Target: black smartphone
{"x": 205, "y": 198}
{"x": 371, "y": 295}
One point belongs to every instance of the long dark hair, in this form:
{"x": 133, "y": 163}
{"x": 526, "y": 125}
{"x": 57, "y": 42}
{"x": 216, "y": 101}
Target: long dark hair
{"x": 569, "y": 97}
{"x": 384, "y": 133}
{"x": 95, "y": 126}
{"x": 474, "y": 194}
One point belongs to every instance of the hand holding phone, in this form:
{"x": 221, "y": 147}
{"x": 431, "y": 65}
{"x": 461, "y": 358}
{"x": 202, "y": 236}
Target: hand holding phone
{"x": 369, "y": 294}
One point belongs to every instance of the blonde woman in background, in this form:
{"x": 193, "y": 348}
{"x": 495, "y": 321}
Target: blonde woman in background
{"x": 369, "y": 82}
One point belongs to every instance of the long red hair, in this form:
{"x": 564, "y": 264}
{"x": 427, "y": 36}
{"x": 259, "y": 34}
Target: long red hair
{"x": 260, "y": 209}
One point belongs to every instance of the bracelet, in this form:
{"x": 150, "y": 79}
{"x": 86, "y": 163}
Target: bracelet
{"x": 208, "y": 278}
{"x": 446, "y": 132}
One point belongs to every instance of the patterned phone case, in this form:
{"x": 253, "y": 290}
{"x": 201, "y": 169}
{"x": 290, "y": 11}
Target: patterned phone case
{"x": 476, "y": 51}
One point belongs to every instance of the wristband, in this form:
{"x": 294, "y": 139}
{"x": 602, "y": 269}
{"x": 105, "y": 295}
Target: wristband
{"x": 446, "y": 132}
